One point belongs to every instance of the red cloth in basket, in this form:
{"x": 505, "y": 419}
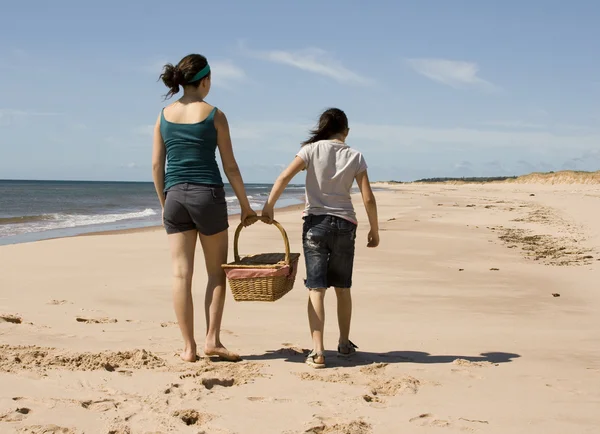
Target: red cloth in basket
{"x": 248, "y": 273}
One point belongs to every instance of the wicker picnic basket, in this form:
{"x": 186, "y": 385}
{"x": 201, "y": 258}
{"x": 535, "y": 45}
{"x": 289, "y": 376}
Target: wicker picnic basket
{"x": 264, "y": 276}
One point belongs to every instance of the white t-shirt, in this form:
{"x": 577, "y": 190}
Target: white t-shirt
{"x": 331, "y": 168}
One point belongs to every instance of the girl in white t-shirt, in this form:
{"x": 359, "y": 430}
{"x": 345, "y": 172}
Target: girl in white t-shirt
{"x": 329, "y": 230}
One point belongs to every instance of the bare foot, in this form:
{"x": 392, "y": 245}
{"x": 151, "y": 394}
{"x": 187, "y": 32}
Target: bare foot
{"x": 189, "y": 355}
{"x": 222, "y": 353}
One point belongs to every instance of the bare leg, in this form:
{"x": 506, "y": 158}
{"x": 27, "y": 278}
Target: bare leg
{"x": 316, "y": 319}
{"x": 215, "y": 255}
{"x": 183, "y": 246}
{"x": 344, "y": 312}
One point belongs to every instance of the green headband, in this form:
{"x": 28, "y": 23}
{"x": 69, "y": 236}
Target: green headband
{"x": 201, "y": 74}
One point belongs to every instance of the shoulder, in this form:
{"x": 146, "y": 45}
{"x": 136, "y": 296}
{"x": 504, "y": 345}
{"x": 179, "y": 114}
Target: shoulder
{"x": 159, "y": 119}
{"x": 305, "y": 152}
{"x": 355, "y": 153}
{"x": 167, "y": 108}
{"x": 310, "y": 145}
{"x": 220, "y": 119}
{"x": 308, "y": 148}
{"x": 359, "y": 159}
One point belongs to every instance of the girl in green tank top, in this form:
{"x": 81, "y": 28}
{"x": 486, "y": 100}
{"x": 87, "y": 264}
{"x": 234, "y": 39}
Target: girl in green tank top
{"x": 187, "y": 179}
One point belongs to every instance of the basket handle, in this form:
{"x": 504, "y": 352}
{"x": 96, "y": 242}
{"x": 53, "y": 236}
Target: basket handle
{"x": 286, "y": 240}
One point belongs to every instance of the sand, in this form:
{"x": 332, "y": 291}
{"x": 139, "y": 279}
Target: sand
{"x": 478, "y": 313}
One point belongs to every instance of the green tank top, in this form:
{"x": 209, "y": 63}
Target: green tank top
{"x": 191, "y": 152}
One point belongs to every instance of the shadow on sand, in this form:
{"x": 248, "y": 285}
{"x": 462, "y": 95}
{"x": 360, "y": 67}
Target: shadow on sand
{"x": 366, "y": 358}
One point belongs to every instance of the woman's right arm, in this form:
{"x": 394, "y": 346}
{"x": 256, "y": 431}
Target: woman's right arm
{"x": 158, "y": 163}
{"x": 364, "y": 185}
{"x": 231, "y": 168}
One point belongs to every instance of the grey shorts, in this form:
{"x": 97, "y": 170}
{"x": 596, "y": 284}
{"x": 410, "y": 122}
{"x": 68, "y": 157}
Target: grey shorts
{"x": 195, "y": 206}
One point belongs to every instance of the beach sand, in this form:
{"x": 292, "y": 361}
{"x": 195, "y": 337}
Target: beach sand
{"x": 477, "y": 313}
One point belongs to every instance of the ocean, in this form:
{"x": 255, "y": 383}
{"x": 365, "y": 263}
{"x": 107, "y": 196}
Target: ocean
{"x": 37, "y": 210}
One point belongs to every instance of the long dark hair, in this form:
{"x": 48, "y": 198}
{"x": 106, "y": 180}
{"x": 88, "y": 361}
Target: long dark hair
{"x": 333, "y": 121}
{"x": 180, "y": 75}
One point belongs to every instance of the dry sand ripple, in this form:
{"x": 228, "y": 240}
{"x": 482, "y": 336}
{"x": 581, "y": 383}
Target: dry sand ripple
{"x": 34, "y": 358}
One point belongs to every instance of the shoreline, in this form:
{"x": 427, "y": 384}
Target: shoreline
{"x": 286, "y": 209}
{"x": 143, "y": 229}
{"x": 136, "y": 227}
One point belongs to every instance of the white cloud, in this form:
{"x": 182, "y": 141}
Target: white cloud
{"x": 388, "y": 137}
{"x": 549, "y": 126}
{"x": 313, "y": 60}
{"x": 463, "y": 165}
{"x": 11, "y": 117}
{"x": 153, "y": 67}
{"x": 455, "y": 73}
{"x": 144, "y": 130}
{"x": 226, "y": 72}
{"x": 394, "y": 136}
{"x": 26, "y": 113}
{"x": 514, "y": 124}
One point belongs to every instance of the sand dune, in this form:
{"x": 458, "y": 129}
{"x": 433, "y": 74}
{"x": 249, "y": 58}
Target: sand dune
{"x": 562, "y": 177}
{"x": 565, "y": 177}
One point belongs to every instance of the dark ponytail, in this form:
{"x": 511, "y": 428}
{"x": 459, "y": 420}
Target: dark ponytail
{"x": 182, "y": 73}
{"x": 333, "y": 121}
{"x": 172, "y": 78}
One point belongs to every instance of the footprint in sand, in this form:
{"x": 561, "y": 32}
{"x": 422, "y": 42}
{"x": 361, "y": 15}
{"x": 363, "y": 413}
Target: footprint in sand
{"x": 393, "y": 386}
{"x": 15, "y": 416}
{"x": 120, "y": 430}
{"x": 470, "y": 364}
{"x": 100, "y": 406}
{"x": 14, "y": 319}
{"x": 373, "y": 376}
{"x": 263, "y": 399}
{"x": 485, "y": 422}
{"x": 291, "y": 349}
{"x": 334, "y": 377}
{"x": 96, "y": 320}
{"x": 193, "y": 417}
{"x": 167, "y": 324}
{"x": 373, "y": 401}
{"x": 430, "y": 420}
{"x": 427, "y": 419}
{"x": 464, "y": 365}
{"x": 354, "y": 427}
{"x": 58, "y": 302}
{"x": 45, "y": 429}
{"x": 382, "y": 384}
{"x": 210, "y": 383}
{"x": 225, "y": 374}
{"x": 172, "y": 388}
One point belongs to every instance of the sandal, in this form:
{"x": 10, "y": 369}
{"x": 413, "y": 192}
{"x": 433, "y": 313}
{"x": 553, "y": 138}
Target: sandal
{"x": 312, "y": 357}
{"x": 349, "y": 350}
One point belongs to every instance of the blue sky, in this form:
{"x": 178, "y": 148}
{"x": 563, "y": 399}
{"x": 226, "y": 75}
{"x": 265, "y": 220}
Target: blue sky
{"x": 431, "y": 88}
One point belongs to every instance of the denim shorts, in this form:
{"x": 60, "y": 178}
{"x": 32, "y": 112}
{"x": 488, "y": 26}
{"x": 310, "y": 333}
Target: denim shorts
{"x": 195, "y": 206}
{"x": 328, "y": 243}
